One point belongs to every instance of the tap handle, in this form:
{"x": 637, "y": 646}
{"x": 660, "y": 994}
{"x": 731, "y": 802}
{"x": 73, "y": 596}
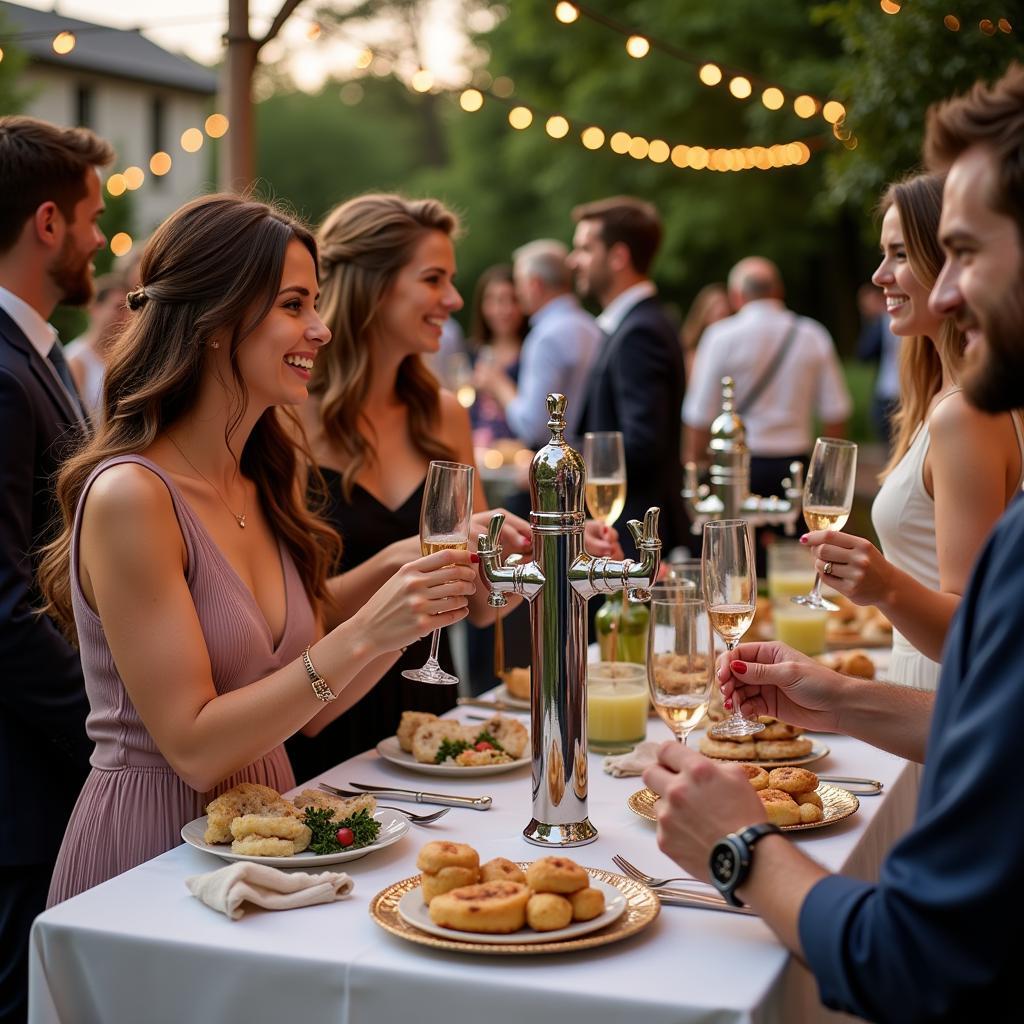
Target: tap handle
{"x": 645, "y": 535}
{"x": 488, "y": 543}
{"x": 556, "y": 415}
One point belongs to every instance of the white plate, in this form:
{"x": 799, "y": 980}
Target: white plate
{"x": 390, "y": 749}
{"x": 392, "y": 827}
{"x": 502, "y": 694}
{"x": 414, "y": 911}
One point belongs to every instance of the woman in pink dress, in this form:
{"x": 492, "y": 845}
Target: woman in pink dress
{"x": 189, "y": 569}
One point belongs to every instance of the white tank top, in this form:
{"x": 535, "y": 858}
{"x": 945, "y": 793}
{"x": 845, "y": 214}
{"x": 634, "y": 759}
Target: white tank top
{"x": 903, "y": 514}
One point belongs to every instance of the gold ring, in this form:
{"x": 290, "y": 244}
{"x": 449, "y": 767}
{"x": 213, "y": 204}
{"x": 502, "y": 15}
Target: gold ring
{"x": 827, "y": 570}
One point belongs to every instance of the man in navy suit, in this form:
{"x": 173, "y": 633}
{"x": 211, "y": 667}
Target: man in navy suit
{"x": 937, "y": 937}
{"x": 50, "y": 199}
{"x": 637, "y": 380}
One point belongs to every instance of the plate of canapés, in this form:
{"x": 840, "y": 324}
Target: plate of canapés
{"x": 794, "y": 798}
{"x": 442, "y": 746}
{"x": 256, "y": 823}
{"x": 548, "y": 905}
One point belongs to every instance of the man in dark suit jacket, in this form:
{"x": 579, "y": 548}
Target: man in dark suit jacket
{"x": 637, "y": 380}
{"x": 50, "y": 198}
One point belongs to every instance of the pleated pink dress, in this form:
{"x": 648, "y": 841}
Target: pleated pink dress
{"x": 133, "y": 805}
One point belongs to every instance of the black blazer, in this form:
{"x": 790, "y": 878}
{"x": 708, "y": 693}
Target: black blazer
{"x": 636, "y": 385}
{"x": 44, "y": 750}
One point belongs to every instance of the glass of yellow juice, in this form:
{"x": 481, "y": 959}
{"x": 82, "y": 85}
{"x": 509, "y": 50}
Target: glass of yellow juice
{"x": 790, "y": 570}
{"x": 616, "y": 706}
{"x": 802, "y": 628}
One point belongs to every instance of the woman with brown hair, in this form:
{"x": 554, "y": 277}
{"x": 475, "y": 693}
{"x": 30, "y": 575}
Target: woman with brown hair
{"x": 710, "y": 305}
{"x": 953, "y": 469}
{"x": 376, "y": 418}
{"x": 188, "y": 567}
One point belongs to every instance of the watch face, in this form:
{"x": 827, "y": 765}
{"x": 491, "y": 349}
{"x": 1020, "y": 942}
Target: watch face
{"x": 723, "y": 862}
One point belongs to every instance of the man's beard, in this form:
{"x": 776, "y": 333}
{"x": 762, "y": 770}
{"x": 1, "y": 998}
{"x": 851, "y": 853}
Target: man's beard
{"x": 72, "y": 273}
{"x": 993, "y": 378}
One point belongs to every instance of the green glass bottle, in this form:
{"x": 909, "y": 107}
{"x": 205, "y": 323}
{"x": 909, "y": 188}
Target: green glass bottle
{"x": 623, "y": 623}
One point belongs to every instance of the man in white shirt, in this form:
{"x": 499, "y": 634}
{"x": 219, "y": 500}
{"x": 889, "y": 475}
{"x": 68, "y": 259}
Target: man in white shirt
{"x": 786, "y": 372}
{"x": 558, "y": 351}
{"x": 50, "y": 199}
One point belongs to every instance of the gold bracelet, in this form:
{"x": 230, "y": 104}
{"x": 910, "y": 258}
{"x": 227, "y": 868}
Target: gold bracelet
{"x": 317, "y": 681}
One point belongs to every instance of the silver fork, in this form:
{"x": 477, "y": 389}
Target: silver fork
{"x": 652, "y": 883}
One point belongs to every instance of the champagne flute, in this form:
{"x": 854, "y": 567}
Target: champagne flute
{"x": 680, "y": 659}
{"x": 730, "y": 592}
{"x": 828, "y": 498}
{"x": 444, "y": 526}
{"x": 605, "y": 459}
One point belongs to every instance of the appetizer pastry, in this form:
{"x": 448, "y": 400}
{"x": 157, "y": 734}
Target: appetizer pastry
{"x": 495, "y": 908}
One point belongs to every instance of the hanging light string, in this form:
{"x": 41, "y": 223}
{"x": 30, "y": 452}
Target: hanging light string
{"x": 741, "y": 83}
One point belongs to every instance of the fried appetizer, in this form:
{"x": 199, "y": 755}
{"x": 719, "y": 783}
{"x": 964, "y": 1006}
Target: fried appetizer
{"x": 411, "y": 721}
{"x": 776, "y": 730}
{"x": 517, "y": 682}
{"x": 781, "y": 750}
{"x": 793, "y": 780}
{"x": 756, "y": 776}
{"x": 494, "y": 908}
{"x": 780, "y": 807}
{"x": 727, "y": 749}
{"x": 341, "y": 807}
{"x": 556, "y": 874}
{"x": 264, "y": 846}
{"x": 810, "y": 813}
{"x": 586, "y": 904}
{"x": 445, "y": 866}
{"x": 547, "y": 912}
{"x": 245, "y": 798}
{"x": 427, "y": 739}
{"x": 511, "y": 734}
{"x": 501, "y": 869}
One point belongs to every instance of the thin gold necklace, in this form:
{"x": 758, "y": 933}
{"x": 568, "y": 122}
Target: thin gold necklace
{"x": 240, "y": 519}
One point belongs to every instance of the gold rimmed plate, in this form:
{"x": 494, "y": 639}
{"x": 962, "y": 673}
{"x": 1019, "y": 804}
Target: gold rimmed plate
{"x": 836, "y": 804}
{"x": 641, "y": 908}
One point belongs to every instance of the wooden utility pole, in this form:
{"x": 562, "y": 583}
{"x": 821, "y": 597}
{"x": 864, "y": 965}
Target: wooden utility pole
{"x": 237, "y": 169}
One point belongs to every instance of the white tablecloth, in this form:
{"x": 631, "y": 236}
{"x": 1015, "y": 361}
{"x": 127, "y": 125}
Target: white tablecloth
{"x": 139, "y": 948}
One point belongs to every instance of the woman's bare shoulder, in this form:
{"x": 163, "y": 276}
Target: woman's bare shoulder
{"x": 129, "y": 500}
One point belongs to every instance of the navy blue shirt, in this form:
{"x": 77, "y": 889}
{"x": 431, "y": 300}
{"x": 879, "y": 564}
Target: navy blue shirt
{"x": 939, "y": 937}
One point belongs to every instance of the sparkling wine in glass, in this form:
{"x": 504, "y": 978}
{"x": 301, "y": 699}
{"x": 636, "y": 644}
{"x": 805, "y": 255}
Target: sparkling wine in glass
{"x": 828, "y": 498}
{"x": 605, "y": 459}
{"x": 680, "y": 658}
{"x": 444, "y": 526}
{"x": 730, "y": 593}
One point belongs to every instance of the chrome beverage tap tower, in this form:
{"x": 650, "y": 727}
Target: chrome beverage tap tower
{"x": 558, "y": 581}
{"x": 728, "y": 496}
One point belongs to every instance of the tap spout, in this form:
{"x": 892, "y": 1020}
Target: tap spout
{"x": 522, "y": 578}
{"x": 589, "y": 576}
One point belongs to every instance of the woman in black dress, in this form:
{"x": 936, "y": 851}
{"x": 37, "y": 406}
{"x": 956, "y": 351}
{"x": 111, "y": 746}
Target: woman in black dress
{"x": 375, "y": 419}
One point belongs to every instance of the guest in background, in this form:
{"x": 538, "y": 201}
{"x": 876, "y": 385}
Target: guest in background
{"x": 953, "y": 469}
{"x": 877, "y": 344}
{"x": 558, "y": 351}
{"x": 188, "y": 567}
{"x": 710, "y": 305}
{"x": 376, "y": 418}
{"x": 496, "y": 332}
{"x": 87, "y": 354}
{"x": 636, "y": 382}
{"x": 50, "y": 200}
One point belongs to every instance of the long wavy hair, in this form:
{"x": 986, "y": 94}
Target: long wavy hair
{"x": 480, "y": 331}
{"x": 211, "y": 271}
{"x": 918, "y": 200}
{"x": 364, "y": 243}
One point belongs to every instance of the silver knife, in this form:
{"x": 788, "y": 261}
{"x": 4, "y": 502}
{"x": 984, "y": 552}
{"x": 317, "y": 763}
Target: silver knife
{"x": 477, "y": 803}
{"x": 679, "y": 898}
{"x": 492, "y": 705}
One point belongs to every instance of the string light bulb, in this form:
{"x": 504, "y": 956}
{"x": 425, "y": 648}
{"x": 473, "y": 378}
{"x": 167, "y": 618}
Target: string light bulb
{"x": 772, "y": 98}
{"x": 160, "y": 163}
{"x": 740, "y": 87}
{"x": 659, "y": 151}
{"x": 710, "y": 74}
{"x": 1, "y": 53}
{"x": 365, "y": 59}
{"x": 64, "y": 42}
{"x": 619, "y": 143}
{"x": 637, "y": 47}
{"x": 833, "y": 112}
{"x": 520, "y": 117}
{"x": 592, "y": 138}
{"x": 557, "y": 126}
{"x": 890, "y": 6}
{"x": 121, "y": 244}
{"x": 471, "y": 100}
{"x": 422, "y": 80}
{"x": 987, "y": 26}
{"x": 639, "y": 147}
{"x": 566, "y": 13}
{"x": 116, "y": 185}
{"x": 680, "y": 154}
{"x": 216, "y": 126}
{"x": 805, "y": 106}
{"x": 133, "y": 177}
{"x": 503, "y": 87}
{"x": 952, "y": 22}
{"x": 192, "y": 140}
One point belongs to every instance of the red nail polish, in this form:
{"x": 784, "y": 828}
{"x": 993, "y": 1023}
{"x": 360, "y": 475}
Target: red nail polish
{"x": 803, "y": 539}
{"x": 738, "y": 666}
{"x": 474, "y": 557}
{"x": 728, "y": 704}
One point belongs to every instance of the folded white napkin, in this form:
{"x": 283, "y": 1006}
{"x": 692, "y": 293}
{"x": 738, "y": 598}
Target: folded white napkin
{"x": 642, "y": 756}
{"x": 226, "y": 889}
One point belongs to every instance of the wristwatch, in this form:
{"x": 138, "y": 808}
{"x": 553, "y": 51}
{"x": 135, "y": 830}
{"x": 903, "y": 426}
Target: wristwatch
{"x": 731, "y": 859}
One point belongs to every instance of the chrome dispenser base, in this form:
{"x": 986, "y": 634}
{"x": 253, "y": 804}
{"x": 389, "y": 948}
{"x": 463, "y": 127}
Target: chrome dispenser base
{"x": 576, "y": 833}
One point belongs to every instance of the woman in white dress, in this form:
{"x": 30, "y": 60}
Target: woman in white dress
{"x": 953, "y": 469}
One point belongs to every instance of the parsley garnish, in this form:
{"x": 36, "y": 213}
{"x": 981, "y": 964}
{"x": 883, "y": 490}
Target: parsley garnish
{"x": 449, "y": 749}
{"x": 324, "y": 827}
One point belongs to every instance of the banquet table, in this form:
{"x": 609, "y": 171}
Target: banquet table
{"x": 140, "y": 948}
